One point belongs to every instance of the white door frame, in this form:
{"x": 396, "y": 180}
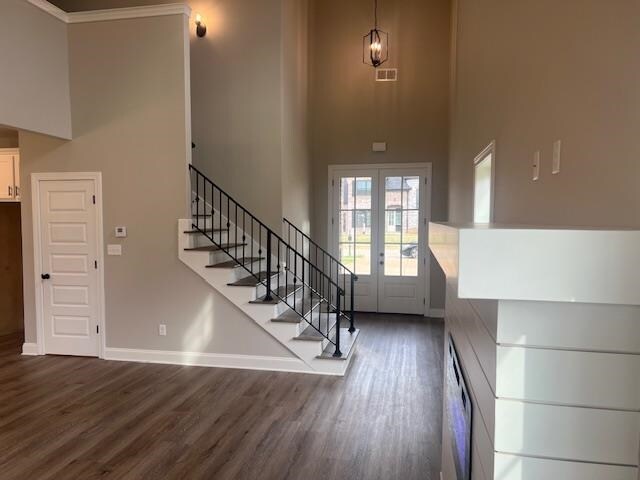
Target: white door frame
{"x": 333, "y": 169}
{"x": 36, "y": 178}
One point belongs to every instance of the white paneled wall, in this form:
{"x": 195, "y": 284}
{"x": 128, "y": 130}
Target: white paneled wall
{"x": 555, "y": 385}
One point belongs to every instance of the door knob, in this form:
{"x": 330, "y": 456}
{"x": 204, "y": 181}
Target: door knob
{"x": 381, "y": 262}
{"x": 45, "y": 276}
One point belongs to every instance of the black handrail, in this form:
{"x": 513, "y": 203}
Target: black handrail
{"x": 262, "y": 247}
{"x": 325, "y": 262}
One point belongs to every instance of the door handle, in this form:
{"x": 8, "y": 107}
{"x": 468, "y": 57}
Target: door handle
{"x": 45, "y": 276}
{"x": 10, "y": 191}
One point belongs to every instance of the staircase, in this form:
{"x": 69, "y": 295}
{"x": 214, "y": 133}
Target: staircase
{"x": 294, "y": 290}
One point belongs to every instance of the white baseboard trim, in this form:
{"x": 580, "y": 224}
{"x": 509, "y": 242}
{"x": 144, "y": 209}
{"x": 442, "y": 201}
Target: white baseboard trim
{"x": 198, "y": 359}
{"x": 30, "y": 349}
{"x": 436, "y": 312}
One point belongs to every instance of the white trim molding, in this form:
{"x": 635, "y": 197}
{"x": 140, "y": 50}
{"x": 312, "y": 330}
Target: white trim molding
{"x": 436, "y": 312}
{"x": 50, "y": 9}
{"x": 201, "y": 359}
{"x": 30, "y": 349}
{"x": 112, "y": 13}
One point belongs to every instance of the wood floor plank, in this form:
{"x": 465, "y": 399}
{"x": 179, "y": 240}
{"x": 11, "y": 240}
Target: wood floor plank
{"x": 79, "y": 418}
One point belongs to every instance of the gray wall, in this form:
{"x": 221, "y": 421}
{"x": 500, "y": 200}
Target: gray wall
{"x": 34, "y": 85}
{"x": 529, "y": 73}
{"x": 249, "y": 101}
{"x": 129, "y": 123}
{"x": 349, "y": 110}
{"x": 296, "y": 159}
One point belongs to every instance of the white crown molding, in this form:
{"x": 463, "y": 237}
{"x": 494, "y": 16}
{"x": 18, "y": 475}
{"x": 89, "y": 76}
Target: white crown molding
{"x": 50, "y": 9}
{"x": 113, "y": 13}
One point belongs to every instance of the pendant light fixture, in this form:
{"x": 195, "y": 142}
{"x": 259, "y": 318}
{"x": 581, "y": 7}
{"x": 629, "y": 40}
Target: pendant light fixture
{"x": 375, "y": 44}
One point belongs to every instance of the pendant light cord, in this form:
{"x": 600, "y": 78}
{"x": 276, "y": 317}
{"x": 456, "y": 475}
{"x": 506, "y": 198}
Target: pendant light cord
{"x": 375, "y": 13}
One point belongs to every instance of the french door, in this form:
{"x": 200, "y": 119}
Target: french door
{"x": 378, "y": 230}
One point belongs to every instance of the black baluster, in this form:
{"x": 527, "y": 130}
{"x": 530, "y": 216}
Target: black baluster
{"x": 337, "y": 353}
{"x": 268, "y": 296}
{"x": 352, "y": 327}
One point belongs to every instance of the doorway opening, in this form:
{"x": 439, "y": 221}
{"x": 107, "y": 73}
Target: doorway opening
{"x": 11, "y": 294}
{"x": 378, "y": 229}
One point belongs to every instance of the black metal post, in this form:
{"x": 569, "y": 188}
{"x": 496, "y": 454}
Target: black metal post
{"x": 268, "y": 295}
{"x": 337, "y": 353}
{"x": 352, "y": 327}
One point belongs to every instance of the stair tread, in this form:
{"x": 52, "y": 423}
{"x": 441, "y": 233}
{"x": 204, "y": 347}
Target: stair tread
{"x": 205, "y": 230}
{"x": 251, "y": 281}
{"x": 214, "y": 248}
{"x": 312, "y": 333}
{"x": 347, "y": 341}
{"x": 305, "y": 305}
{"x": 281, "y": 292}
{"x": 236, "y": 263}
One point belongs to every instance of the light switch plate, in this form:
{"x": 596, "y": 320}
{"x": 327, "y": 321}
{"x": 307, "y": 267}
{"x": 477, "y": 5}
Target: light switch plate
{"x": 557, "y": 151}
{"x": 121, "y": 232}
{"x": 536, "y": 166}
{"x": 114, "y": 250}
{"x": 379, "y": 146}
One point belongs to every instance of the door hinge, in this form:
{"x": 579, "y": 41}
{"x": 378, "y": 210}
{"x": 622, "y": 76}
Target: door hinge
{"x": 98, "y": 329}
{"x": 332, "y": 221}
{"x": 94, "y": 199}
{"x": 333, "y": 183}
{"x": 425, "y": 221}
{"x": 95, "y": 264}
{"x": 424, "y": 301}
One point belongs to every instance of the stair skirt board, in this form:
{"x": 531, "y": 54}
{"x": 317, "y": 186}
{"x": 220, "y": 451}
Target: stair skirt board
{"x": 216, "y": 360}
{"x": 262, "y": 314}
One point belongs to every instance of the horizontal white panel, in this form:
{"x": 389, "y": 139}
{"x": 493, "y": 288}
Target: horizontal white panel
{"x": 483, "y": 345}
{"x": 513, "y": 467}
{"x": 61, "y": 263}
{"x": 487, "y": 311}
{"x": 400, "y": 291}
{"x": 567, "y": 433}
{"x": 581, "y": 326}
{"x": 540, "y": 264}
{"x": 63, "y": 295}
{"x": 67, "y": 201}
{"x": 483, "y": 398}
{"x": 70, "y": 326}
{"x": 606, "y": 380}
{"x": 66, "y": 233}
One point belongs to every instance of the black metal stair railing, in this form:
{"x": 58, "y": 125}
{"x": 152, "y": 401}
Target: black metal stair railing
{"x": 255, "y": 247}
{"x": 325, "y": 263}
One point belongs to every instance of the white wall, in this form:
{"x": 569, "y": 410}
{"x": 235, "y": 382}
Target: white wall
{"x": 34, "y": 85}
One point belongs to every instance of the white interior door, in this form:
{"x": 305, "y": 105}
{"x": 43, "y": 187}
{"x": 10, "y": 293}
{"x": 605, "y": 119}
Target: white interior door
{"x": 379, "y": 231}
{"x": 69, "y": 263}
{"x": 6, "y": 177}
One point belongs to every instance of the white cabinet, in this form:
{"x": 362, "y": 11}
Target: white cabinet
{"x": 9, "y": 175}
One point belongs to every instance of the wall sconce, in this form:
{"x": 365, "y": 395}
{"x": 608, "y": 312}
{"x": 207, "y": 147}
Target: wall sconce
{"x": 201, "y": 28}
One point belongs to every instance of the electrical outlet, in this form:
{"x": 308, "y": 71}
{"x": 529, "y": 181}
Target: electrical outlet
{"x": 162, "y": 330}
{"x": 536, "y": 166}
{"x": 557, "y": 150}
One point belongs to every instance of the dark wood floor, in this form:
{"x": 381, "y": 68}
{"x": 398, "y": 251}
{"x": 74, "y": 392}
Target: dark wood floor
{"x": 70, "y": 418}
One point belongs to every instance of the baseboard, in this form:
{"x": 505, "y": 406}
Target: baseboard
{"x": 30, "y": 349}
{"x": 198, "y": 359}
{"x": 436, "y": 312}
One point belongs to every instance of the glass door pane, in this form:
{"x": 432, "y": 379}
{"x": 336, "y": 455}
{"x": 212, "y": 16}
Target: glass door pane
{"x": 401, "y": 225}
{"x": 355, "y": 223}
